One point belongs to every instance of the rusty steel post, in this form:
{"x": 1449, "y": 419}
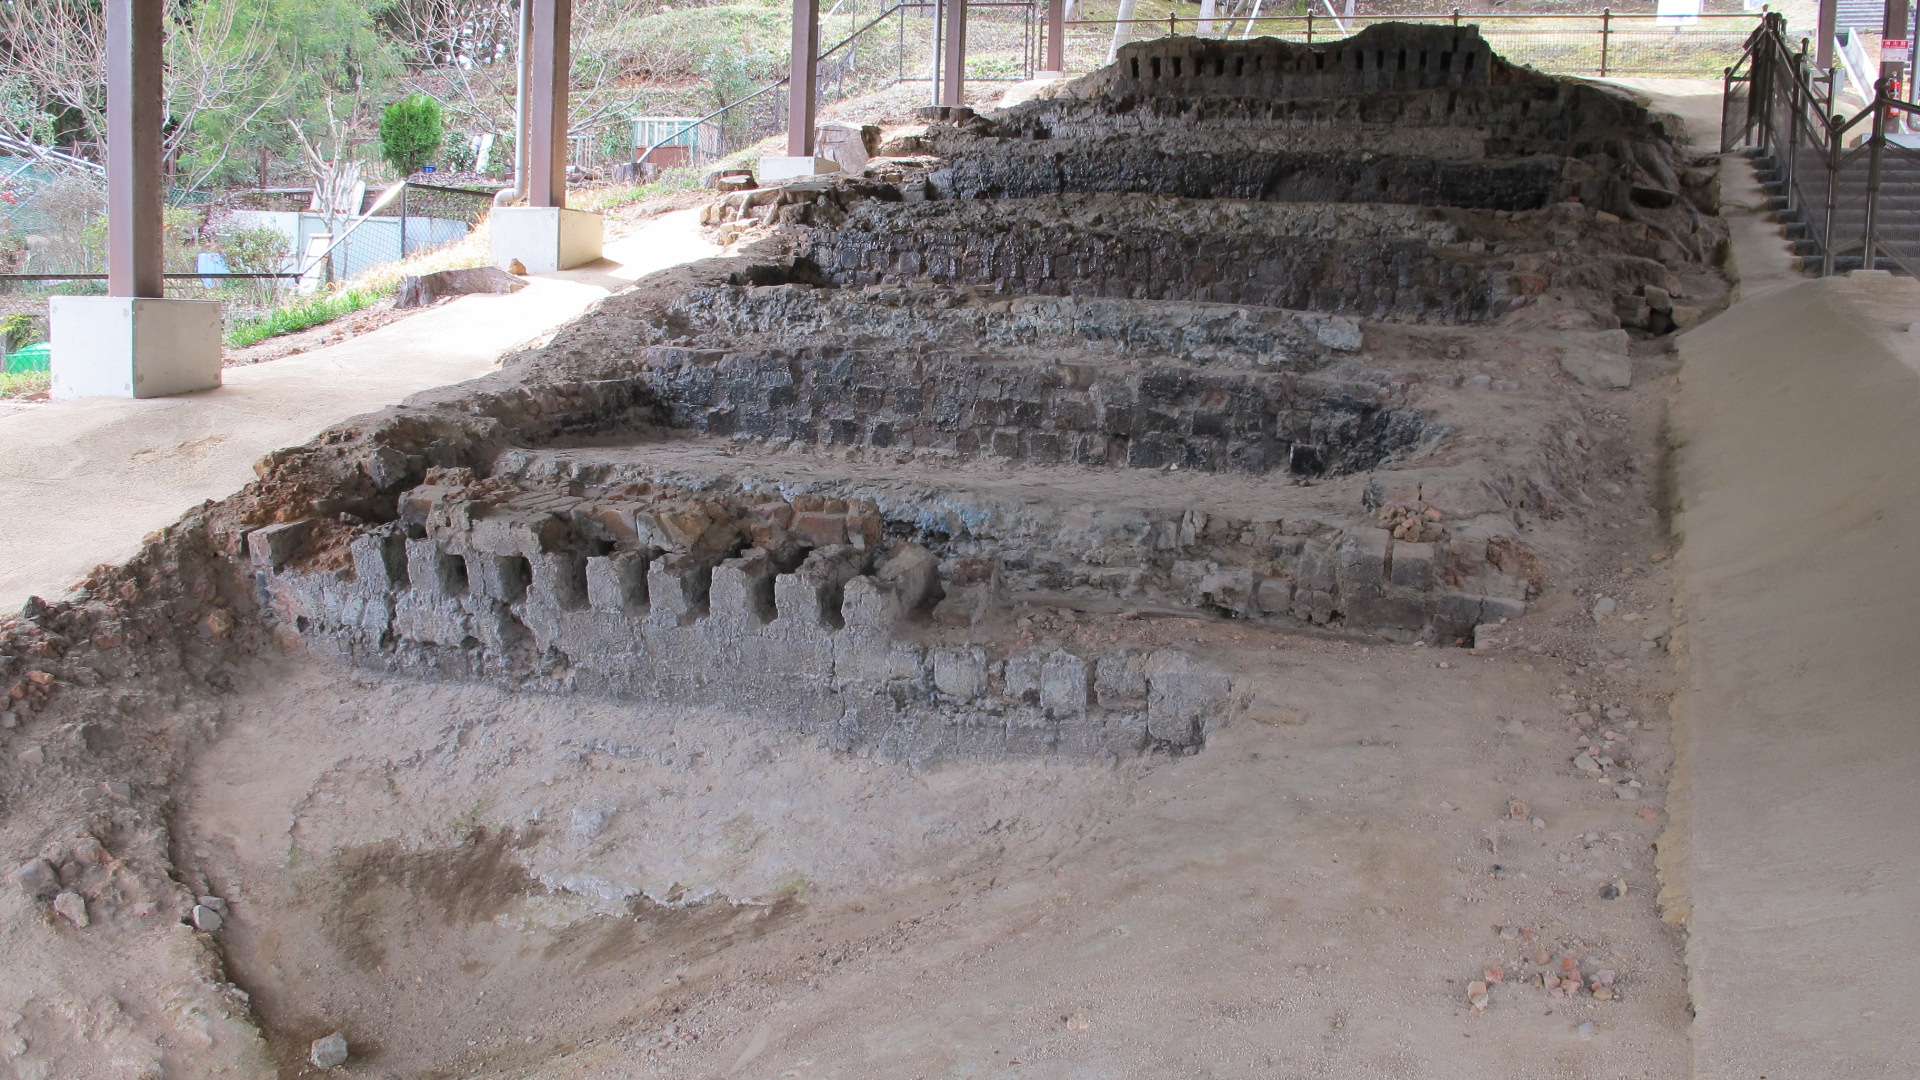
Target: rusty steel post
{"x": 802, "y": 84}
{"x": 1056, "y": 59}
{"x": 1606, "y": 37}
{"x": 547, "y": 101}
{"x": 953, "y": 95}
{"x": 136, "y": 111}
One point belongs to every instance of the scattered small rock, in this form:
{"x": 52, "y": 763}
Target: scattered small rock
{"x": 329, "y": 1052}
{"x": 207, "y": 919}
{"x": 1477, "y": 995}
{"x": 514, "y": 267}
{"x": 72, "y": 907}
{"x": 37, "y": 878}
{"x": 218, "y": 905}
{"x": 1586, "y": 764}
{"x": 1604, "y": 607}
{"x": 1613, "y": 890}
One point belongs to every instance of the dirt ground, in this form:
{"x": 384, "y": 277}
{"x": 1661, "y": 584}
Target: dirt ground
{"x": 472, "y": 883}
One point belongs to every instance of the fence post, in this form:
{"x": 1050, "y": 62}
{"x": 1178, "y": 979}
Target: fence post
{"x": 1171, "y": 28}
{"x": 406, "y": 189}
{"x": 1456, "y": 16}
{"x": 1309, "y": 24}
{"x": 1606, "y": 37}
{"x": 1879, "y": 138}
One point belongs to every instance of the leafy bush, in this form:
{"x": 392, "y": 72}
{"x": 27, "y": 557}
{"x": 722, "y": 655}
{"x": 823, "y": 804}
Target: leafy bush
{"x": 616, "y": 142}
{"x": 411, "y": 130}
{"x": 20, "y": 331}
{"x": 460, "y": 154}
{"x": 500, "y": 156}
{"x": 255, "y": 250}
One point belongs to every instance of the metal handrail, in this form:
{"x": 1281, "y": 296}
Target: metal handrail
{"x": 1780, "y": 73}
{"x": 776, "y": 84}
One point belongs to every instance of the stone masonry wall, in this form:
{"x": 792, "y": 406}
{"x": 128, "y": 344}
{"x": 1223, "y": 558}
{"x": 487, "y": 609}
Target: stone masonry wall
{"x": 815, "y": 647}
{"x": 1382, "y": 59}
{"x": 1102, "y": 413}
{"x": 1023, "y": 250}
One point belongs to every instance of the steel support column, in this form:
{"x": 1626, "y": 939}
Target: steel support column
{"x": 547, "y": 100}
{"x": 136, "y": 111}
{"x": 1826, "y": 24}
{"x": 1056, "y": 59}
{"x": 802, "y": 81}
{"x": 953, "y": 93}
{"x": 1893, "y": 67}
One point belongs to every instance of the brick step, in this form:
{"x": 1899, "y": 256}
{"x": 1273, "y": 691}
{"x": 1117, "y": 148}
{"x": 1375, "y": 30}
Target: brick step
{"x": 1191, "y": 542}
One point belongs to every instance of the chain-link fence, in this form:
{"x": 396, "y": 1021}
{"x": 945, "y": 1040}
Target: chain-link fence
{"x": 1602, "y": 44}
{"x": 53, "y": 243}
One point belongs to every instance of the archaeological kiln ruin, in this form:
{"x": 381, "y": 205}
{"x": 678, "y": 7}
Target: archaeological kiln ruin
{"x": 1024, "y": 444}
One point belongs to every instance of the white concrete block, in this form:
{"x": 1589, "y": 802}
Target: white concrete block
{"x": 111, "y": 346}
{"x": 546, "y": 239}
{"x": 775, "y": 168}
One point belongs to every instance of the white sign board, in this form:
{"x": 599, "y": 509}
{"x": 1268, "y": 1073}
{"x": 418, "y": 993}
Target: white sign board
{"x": 1678, "y": 12}
{"x": 1895, "y": 51}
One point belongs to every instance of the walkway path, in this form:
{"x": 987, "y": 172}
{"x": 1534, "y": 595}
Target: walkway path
{"x": 81, "y": 482}
{"x": 1799, "y": 425}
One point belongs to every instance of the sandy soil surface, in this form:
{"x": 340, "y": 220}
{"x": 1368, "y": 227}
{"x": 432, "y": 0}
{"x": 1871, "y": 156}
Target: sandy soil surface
{"x": 472, "y": 883}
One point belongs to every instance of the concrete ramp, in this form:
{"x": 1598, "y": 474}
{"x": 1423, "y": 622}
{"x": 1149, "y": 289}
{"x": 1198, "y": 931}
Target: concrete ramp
{"x": 1799, "y": 491}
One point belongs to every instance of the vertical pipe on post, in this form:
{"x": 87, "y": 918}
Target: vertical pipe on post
{"x": 939, "y": 40}
{"x": 1879, "y": 139}
{"x": 522, "y": 120}
{"x": 1606, "y": 37}
{"x": 547, "y": 94}
{"x": 1056, "y": 35}
{"x": 801, "y": 78}
{"x": 135, "y": 110}
{"x": 954, "y": 94}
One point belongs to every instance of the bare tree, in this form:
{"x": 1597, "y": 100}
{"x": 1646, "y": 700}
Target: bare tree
{"x": 218, "y": 60}
{"x": 332, "y": 161}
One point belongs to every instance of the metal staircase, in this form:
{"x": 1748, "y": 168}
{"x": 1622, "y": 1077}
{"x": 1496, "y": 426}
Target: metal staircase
{"x": 1846, "y": 187}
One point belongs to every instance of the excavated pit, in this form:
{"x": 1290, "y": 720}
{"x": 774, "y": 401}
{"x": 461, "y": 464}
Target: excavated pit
{"x": 885, "y": 562}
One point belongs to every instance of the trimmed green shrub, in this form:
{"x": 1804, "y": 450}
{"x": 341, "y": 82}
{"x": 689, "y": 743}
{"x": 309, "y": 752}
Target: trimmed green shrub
{"x": 411, "y": 130}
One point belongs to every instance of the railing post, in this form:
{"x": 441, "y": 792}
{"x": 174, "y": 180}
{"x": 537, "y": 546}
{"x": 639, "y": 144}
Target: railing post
{"x": 1456, "y": 16}
{"x": 1726, "y": 103}
{"x": 1794, "y": 104}
{"x": 1879, "y": 138}
{"x": 406, "y": 189}
{"x": 1833, "y": 196}
{"x": 1309, "y": 24}
{"x": 1606, "y": 37}
{"x": 1172, "y": 29}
